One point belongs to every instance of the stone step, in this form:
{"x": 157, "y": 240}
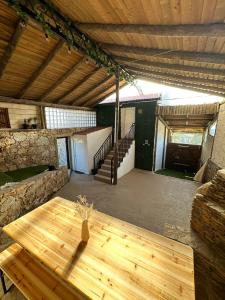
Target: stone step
{"x": 208, "y": 220}
{"x": 104, "y": 172}
{"x": 102, "y": 178}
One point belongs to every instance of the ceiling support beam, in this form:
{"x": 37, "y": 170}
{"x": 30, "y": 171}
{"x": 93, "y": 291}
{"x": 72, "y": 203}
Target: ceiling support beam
{"x": 200, "y": 81}
{"x": 82, "y": 98}
{"x": 46, "y": 104}
{"x": 111, "y": 92}
{"x": 42, "y": 67}
{"x": 70, "y": 91}
{"x": 180, "y": 83}
{"x": 172, "y": 67}
{"x": 88, "y": 102}
{"x": 187, "y": 30}
{"x": 62, "y": 79}
{"x": 11, "y": 47}
{"x": 213, "y": 58}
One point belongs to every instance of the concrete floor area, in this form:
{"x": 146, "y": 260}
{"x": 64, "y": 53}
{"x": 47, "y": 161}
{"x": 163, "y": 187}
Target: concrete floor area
{"x": 142, "y": 198}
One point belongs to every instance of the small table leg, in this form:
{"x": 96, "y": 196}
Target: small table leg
{"x": 5, "y": 290}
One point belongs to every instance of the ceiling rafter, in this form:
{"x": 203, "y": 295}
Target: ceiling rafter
{"x": 41, "y": 68}
{"x": 62, "y": 78}
{"x": 88, "y": 102}
{"x": 187, "y": 30}
{"x": 82, "y": 98}
{"x": 11, "y": 47}
{"x": 213, "y": 58}
{"x": 172, "y": 67}
{"x": 79, "y": 84}
{"x": 197, "y": 80}
{"x": 180, "y": 83}
{"x": 101, "y": 98}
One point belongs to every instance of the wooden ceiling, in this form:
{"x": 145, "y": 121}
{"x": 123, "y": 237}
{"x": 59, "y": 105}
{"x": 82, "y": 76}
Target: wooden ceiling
{"x": 175, "y": 42}
{"x": 188, "y": 117}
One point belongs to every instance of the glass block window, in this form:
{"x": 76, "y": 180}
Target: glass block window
{"x": 69, "y": 118}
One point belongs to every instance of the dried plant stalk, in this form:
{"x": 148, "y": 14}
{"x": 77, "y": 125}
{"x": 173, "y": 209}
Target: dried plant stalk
{"x": 83, "y": 208}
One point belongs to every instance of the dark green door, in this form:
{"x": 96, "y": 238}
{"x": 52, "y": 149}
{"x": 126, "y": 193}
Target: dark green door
{"x": 144, "y": 135}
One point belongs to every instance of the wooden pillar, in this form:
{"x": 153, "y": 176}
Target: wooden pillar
{"x": 116, "y": 127}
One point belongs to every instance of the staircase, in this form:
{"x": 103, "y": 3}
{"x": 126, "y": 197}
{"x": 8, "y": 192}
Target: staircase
{"x": 105, "y": 167}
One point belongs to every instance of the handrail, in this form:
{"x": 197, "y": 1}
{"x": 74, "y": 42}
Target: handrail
{"x": 123, "y": 147}
{"x": 102, "y": 152}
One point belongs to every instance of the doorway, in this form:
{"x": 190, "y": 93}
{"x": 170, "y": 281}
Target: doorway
{"x": 127, "y": 119}
{"x": 63, "y": 152}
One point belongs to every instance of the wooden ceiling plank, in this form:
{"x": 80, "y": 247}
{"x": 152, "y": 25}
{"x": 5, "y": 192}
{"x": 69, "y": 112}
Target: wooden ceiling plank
{"x": 173, "y": 67}
{"x": 42, "y": 67}
{"x": 11, "y": 47}
{"x": 213, "y": 58}
{"x": 187, "y": 30}
{"x": 70, "y": 91}
{"x": 88, "y": 102}
{"x": 62, "y": 78}
{"x": 90, "y": 90}
{"x": 98, "y": 100}
{"x": 180, "y": 84}
{"x": 208, "y": 82}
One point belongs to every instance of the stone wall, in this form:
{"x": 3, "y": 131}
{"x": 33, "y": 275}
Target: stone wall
{"x": 28, "y": 194}
{"x": 24, "y": 148}
{"x": 211, "y": 170}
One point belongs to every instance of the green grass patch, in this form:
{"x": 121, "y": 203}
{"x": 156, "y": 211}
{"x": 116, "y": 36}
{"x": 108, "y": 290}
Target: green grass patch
{"x": 21, "y": 174}
{"x": 176, "y": 174}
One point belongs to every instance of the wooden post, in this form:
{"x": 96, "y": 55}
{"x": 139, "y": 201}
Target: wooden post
{"x": 116, "y": 127}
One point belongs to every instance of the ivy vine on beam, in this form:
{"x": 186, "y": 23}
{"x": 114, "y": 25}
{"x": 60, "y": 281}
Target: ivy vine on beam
{"x": 53, "y": 22}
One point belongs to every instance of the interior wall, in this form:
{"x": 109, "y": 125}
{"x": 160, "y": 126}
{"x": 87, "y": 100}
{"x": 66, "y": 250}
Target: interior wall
{"x": 206, "y": 146}
{"x": 218, "y": 153}
{"x": 159, "y": 147}
{"x": 19, "y": 112}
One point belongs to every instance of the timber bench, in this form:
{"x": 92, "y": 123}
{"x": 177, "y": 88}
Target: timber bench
{"x": 31, "y": 277}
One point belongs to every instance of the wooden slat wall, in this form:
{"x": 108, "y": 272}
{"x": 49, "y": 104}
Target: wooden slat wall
{"x": 187, "y": 109}
{"x": 19, "y": 112}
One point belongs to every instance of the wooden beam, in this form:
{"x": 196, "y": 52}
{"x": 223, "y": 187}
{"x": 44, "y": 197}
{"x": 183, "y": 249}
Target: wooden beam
{"x": 187, "y": 30}
{"x": 101, "y": 92}
{"x": 82, "y": 101}
{"x": 208, "y": 82}
{"x": 213, "y": 58}
{"x": 173, "y": 67}
{"x": 180, "y": 83}
{"x": 98, "y": 100}
{"x": 70, "y": 91}
{"x": 62, "y": 78}
{"x": 42, "y": 67}
{"x": 31, "y": 102}
{"x": 11, "y": 47}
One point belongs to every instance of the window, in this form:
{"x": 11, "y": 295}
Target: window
{"x": 212, "y": 129}
{"x": 69, "y": 118}
{"x": 191, "y": 138}
{"x": 4, "y": 118}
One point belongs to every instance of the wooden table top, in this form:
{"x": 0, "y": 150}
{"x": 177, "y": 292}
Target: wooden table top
{"x": 120, "y": 260}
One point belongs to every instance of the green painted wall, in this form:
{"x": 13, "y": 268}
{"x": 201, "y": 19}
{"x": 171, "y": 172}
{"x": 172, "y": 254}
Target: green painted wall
{"x": 144, "y": 129}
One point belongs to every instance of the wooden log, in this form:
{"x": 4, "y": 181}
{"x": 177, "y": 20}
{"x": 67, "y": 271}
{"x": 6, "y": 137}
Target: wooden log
{"x": 200, "y": 81}
{"x": 42, "y": 67}
{"x": 172, "y": 67}
{"x": 62, "y": 79}
{"x": 31, "y": 102}
{"x": 213, "y": 58}
{"x": 160, "y": 79}
{"x": 70, "y": 91}
{"x": 82, "y": 101}
{"x": 11, "y": 47}
{"x": 186, "y": 30}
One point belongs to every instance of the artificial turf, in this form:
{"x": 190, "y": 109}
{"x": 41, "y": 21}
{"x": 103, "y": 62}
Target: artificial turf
{"x": 21, "y": 174}
{"x": 177, "y": 174}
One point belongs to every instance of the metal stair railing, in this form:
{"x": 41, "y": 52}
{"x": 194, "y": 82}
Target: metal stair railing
{"x": 102, "y": 152}
{"x": 123, "y": 148}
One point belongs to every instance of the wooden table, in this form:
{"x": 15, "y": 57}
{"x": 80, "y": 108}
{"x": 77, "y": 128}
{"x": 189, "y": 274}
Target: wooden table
{"x": 120, "y": 260}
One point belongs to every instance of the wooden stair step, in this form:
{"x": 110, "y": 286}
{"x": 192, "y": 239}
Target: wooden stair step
{"x": 32, "y": 278}
{"x": 103, "y": 172}
{"x": 102, "y": 178}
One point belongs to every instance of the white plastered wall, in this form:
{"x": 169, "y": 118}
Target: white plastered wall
{"x": 128, "y": 162}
